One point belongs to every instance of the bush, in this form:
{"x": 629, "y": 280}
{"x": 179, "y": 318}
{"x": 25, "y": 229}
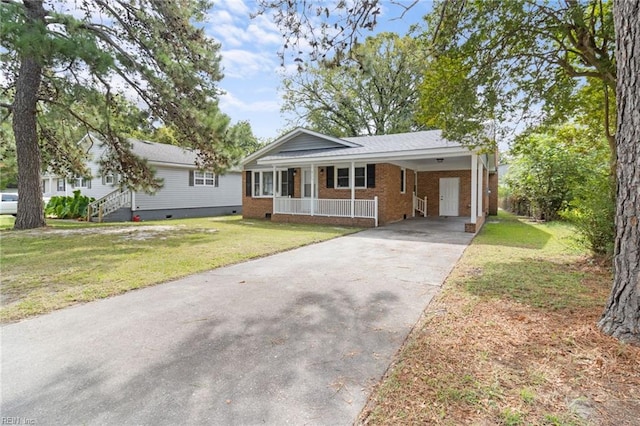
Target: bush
{"x": 71, "y": 207}
{"x": 593, "y": 213}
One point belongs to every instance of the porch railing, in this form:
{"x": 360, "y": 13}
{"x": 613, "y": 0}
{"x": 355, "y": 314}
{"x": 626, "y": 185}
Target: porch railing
{"x": 367, "y": 209}
{"x": 420, "y": 205}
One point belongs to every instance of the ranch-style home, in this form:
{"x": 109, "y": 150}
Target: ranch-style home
{"x": 186, "y": 191}
{"x": 308, "y": 177}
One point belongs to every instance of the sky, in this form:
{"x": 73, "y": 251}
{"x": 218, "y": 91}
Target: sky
{"x": 252, "y": 68}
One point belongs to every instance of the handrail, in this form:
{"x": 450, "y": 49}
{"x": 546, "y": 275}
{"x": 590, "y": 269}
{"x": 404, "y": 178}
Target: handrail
{"x": 420, "y": 205}
{"x": 108, "y": 204}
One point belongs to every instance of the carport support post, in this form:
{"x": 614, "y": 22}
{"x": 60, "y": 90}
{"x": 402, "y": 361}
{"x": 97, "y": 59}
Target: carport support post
{"x": 480, "y": 186}
{"x": 474, "y": 186}
{"x": 352, "y": 182}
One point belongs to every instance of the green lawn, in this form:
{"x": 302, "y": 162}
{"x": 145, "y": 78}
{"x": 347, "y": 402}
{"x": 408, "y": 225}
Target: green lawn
{"x": 72, "y": 262}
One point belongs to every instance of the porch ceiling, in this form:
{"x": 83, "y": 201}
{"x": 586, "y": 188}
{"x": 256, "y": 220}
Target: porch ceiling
{"x": 460, "y": 162}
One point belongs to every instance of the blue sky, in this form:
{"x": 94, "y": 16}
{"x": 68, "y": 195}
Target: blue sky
{"x": 251, "y": 65}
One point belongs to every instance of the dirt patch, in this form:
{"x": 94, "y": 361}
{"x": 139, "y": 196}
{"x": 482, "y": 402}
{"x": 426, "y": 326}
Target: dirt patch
{"x": 496, "y": 361}
{"x": 134, "y": 233}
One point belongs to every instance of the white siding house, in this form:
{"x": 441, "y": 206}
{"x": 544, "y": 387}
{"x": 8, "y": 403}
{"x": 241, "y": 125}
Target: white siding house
{"x": 186, "y": 191}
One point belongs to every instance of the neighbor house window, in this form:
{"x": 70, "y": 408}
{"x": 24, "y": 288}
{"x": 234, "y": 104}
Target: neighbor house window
{"x": 403, "y": 180}
{"x": 343, "y": 177}
{"x": 81, "y": 182}
{"x": 61, "y": 185}
{"x": 263, "y": 184}
{"x": 204, "y": 178}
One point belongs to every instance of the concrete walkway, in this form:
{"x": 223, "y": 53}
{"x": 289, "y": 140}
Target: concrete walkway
{"x": 295, "y": 338}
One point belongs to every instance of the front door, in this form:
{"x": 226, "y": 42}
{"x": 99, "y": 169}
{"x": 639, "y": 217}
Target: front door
{"x": 449, "y": 196}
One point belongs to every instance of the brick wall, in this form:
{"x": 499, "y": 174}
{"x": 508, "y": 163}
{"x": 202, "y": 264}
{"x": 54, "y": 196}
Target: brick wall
{"x": 429, "y": 186}
{"x": 392, "y": 204}
{"x": 324, "y": 220}
{"x": 493, "y": 197}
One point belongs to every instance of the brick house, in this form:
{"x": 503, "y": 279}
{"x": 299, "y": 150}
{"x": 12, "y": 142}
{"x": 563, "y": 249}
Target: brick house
{"x": 308, "y": 177}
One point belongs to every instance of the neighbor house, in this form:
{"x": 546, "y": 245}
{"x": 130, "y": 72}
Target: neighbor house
{"x": 186, "y": 191}
{"x": 309, "y": 177}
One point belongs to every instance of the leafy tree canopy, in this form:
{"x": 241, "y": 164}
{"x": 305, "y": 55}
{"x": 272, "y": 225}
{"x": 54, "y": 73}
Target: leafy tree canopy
{"x": 372, "y": 91}
{"x": 495, "y": 60}
{"x": 78, "y": 65}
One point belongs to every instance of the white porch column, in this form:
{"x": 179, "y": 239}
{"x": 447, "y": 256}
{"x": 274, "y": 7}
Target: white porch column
{"x": 352, "y": 183}
{"x": 474, "y": 187}
{"x": 313, "y": 188}
{"x": 275, "y": 191}
{"x": 480, "y": 187}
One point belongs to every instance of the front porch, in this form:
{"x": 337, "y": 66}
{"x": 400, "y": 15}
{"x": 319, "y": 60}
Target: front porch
{"x": 339, "y": 208}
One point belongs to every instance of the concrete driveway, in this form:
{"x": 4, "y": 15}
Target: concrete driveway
{"x": 295, "y": 338}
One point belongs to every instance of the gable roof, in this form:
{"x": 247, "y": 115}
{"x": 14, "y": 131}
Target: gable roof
{"x": 368, "y": 147}
{"x": 279, "y": 145}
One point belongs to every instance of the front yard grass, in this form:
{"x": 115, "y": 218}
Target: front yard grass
{"x": 512, "y": 340}
{"x": 73, "y": 262}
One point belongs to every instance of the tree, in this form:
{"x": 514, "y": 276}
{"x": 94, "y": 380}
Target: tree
{"x": 79, "y": 67}
{"x": 621, "y": 317}
{"x": 372, "y": 92}
{"x": 497, "y": 60}
{"x": 547, "y": 170}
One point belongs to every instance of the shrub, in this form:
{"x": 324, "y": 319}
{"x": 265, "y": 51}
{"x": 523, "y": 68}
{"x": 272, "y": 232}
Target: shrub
{"x": 70, "y": 207}
{"x": 593, "y": 213}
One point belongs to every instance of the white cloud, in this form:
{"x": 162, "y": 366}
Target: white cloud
{"x": 229, "y": 102}
{"x": 243, "y": 64}
{"x": 236, "y": 6}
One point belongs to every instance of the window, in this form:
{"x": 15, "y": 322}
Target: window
{"x": 81, "y": 182}
{"x": 204, "y": 178}
{"x": 267, "y": 183}
{"x": 263, "y": 184}
{"x": 403, "y": 181}
{"x": 284, "y": 183}
{"x": 361, "y": 178}
{"x": 342, "y": 177}
{"x": 61, "y": 185}
{"x": 109, "y": 179}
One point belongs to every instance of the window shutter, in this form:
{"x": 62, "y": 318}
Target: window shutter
{"x": 290, "y": 178}
{"x": 247, "y": 183}
{"x": 371, "y": 175}
{"x": 330, "y": 177}
{"x": 104, "y": 180}
{"x": 88, "y": 183}
{"x": 190, "y": 177}
{"x": 216, "y": 181}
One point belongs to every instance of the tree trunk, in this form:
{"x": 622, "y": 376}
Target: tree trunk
{"x": 30, "y": 204}
{"x": 621, "y": 317}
